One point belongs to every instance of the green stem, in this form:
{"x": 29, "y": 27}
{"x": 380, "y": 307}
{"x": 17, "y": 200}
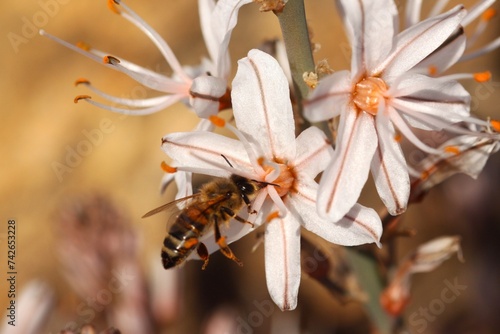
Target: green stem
{"x": 366, "y": 272}
{"x": 298, "y": 46}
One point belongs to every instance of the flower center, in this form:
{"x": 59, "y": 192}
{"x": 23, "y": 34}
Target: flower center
{"x": 368, "y": 94}
{"x": 285, "y": 179}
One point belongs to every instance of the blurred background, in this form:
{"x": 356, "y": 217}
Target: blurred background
{"x": 83, "y": 254}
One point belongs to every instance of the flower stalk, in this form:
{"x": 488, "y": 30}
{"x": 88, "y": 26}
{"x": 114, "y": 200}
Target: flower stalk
{"x": 298, "y": 45}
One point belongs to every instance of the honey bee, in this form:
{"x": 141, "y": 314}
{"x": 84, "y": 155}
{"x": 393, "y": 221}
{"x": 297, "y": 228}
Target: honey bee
{"x": 217, "y": 202}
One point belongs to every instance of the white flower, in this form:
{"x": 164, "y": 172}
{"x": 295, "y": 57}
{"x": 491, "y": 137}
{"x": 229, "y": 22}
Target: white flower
{"x": 205, "y": 88}
{"x": 268, "y": 151}
{"x": 466, "y": 154}
{"x": 425, "y": 258}
{"x": 384, "y": 91}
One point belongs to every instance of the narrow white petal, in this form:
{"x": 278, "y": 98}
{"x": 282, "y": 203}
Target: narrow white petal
{"x": 445, "y": 56}
{"x": 205, "y": 9}
{"x": 282, "y": 261}
{"x": 343, "y": 180}
{"x": 323, "y": 101}
{"x": 360, "y": 226}
{"x": 417, "y": 42}
{"x": 314, "y": 152}
{"x": 261, "y": 104}
{"x": 388, "y": 167}
{"x": 224, "y": 19}
{"x": 440, "y": 99}
{"x": 197, "y": 149}
{"x": 370, "y": 27}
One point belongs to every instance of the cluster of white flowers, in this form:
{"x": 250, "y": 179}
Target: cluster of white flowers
{"x": 394, "y": 86}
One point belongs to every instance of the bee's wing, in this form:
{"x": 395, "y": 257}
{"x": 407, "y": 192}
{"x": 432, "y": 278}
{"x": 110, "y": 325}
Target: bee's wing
{"x": 172, "y": 205}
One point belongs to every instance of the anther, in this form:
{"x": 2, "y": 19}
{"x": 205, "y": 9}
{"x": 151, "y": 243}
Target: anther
{"x": 81, "y": 81}
{"x": 489, "y": 14}
{"x": 167, "y": 168}
{"x": 112, "y": 6}
{"x": 217, "y": 121}
{"x": 452, "y": 149}
{"x": 111, "y": 60}
{"x": 84, "y": 46}
{"x": 398, "y": 137}
{"x": 432, "y": 70}
{"x": 81, "y": 97}
{"x": 495, "y": 124}
{"x": 272, "y": 215}
{"x": 482, "y": 76}
{"x": 424, "y": 175}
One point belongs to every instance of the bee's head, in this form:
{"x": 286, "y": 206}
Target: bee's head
{"x": 246, "y": 186}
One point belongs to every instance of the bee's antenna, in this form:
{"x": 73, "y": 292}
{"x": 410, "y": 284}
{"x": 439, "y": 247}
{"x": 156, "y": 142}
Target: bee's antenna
{"x": 227, "y": 161}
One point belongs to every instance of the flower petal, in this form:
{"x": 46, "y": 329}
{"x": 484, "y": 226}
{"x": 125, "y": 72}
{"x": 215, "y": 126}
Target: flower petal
{"x": 370, "y": 26}
{"x": 224, "y": 19}
{"x": 418, "y": 41}
{"x": 261, "y": 104}
{"x": 205, "y": 10}
{"x": 445, "y": 56}
{"x": 205, "y": 94}
{"x": 282, "y": 261}
{"x": 343, "y": 180}
{"x": 438, "y": 99}
{"x": 470, "y": 156}
{"x": 314, "y": 152}
{"x": 197, "y": 149}
{"x": 332, "y": 91}
{"x": 360, "y": 226}
{"x": 389, "y": 169}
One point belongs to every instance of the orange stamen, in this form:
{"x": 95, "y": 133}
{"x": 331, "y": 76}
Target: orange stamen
{"x": 489, "y": 14}
{"x": 260, "y": 161}
{"x": 272, "y": 215}
{"x": 217, "y": 121}
{"x": 482, "y": 76}
{"x": 452, "y": 149}
{"x": 432, "y": 70}
{"x": 398, "y": 137}
{"x": 167, "y": 169}
{"x": 424, "y": 175}
{"x": 495, "y": 124}
{"x": 82, "y": 81}
{"x": 84, "y": 46}
{"x": 110, "y": 60}
{"x": 81, "y": 97}
{"x": 112, "y": 6}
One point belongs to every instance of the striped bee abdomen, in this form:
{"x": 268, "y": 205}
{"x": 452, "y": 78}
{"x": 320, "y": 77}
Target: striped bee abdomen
{"x": 182, "y": 238}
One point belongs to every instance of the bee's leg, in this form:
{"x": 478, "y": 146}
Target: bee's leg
{"x": 231, "y": 214}
{"x": 249, "y": 205}
{"x": 224, "y": 248}
{"x": 203, "y": 254}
